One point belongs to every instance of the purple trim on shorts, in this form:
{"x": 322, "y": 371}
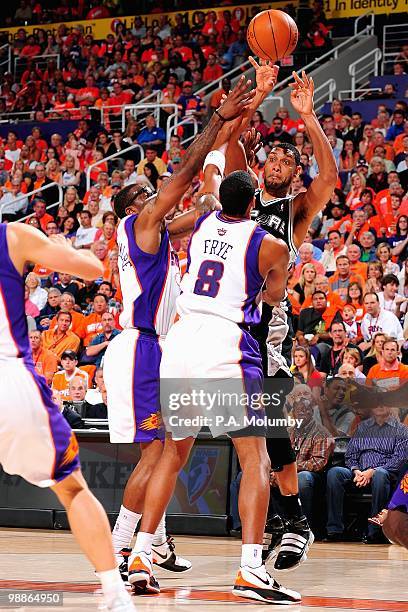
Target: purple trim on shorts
{"x": 146, "y": 389}
{"x": 253, "y": 279}
{"x": 151, "y": 271}
{"x": 12, "y": 288}
{"x": 197, "y": 226}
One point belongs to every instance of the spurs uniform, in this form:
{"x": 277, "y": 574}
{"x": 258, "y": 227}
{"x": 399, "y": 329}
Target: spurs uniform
{"x": 150, "y": 285}
{"x": 219, "y": 300}
{"x": 36, "y": 442}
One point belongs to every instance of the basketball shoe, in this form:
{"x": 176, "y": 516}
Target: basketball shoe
{"x": 141, "y": 574}
{"x": 256, "y": 583}
{"x": 165, "y": 557}
{"x": 273, "y": 534}
{"x": 296, "y": 541}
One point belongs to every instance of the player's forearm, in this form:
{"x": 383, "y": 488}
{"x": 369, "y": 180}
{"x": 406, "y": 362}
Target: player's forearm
{"x": 195, "y": 155}
{"x": 321, "y": 148}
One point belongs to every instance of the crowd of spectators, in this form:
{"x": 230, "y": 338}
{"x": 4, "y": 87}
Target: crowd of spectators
{"x": 348, "y": 289}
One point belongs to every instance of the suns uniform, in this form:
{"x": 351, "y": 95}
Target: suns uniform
{"x": 219, "y": 300}
{"x": 36, "y": 442}
{"x": 150, "y": 285}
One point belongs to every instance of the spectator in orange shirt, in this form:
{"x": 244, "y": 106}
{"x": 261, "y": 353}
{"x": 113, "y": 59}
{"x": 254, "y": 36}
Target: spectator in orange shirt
{"x": 342, "y": 278}
{"x": 92, "y": 324}
{"x": 334, "y": 301}
{"x": 39, "y": 207}
{"x": 45, "y": 362}
{"x": 390, "y": 373}
{"x": 62, "y": 379}
{"x": 212, "y": 71}
{"x": 357, "y": 267}
{"x": 77, "y": 319}
{"x": 60, "y": 338}
{"x": 215, "y": 99}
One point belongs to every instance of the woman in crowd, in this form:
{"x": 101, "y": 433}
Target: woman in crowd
{"x": 403, "y": 279}
{"x": 37, "y": 295}
{"x": 70, "y": 176}
{"x": 151, "y": 173}
{"x": 373, "y": 356}
{"x": 337, "y": 111}
{"x": 53, "y": 171}
{"x": 375, "y": 274}
{"x": 358, "y": 183}
{"x": 348, "y": 156}
{"x": 399, "y": 240}
{"x": 71, "y": 201}
{"x": 259, "y": 123}
{"x": 304, "y": 371}
{"x": 384, "y": 256}
{"x": 69, "y": 226}
{"x": 355, "y": 298}
{"x": 305, "y": 286}
{"x": 368, "y": 135}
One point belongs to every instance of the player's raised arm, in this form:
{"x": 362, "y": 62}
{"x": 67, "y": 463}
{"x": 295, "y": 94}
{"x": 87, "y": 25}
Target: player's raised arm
{"x": 308, "y": 204}
{"x": 56, "y": 252}
{"x": 173, "y": 189}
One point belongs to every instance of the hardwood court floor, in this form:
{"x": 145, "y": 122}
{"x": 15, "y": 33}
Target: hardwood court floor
{"x": 336, "y": 576}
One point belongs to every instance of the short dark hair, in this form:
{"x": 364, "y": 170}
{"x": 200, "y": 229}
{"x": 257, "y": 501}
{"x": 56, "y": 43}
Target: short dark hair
{"x": 101, "y": 295}
{"x": 62, "y": 312}
{"x": 236, "y": 193}
{"x": 125, "y": 198}
{"x": 318, "y": 292}
{"x": 334, "y": 232}
{"x": 286, "y": 146}
{"x": 371, "y": 293}
{"x": 105, "y": 283}
{"x": 389, "y": 278}
{"x": 337, "y": 323}
{"x": 86, "y": 212}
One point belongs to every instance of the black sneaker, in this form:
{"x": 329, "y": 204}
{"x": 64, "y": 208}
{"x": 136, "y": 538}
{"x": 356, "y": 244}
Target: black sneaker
{"x": 274, "y": 530}
{"x": 296, "y": 541}
{"x": 123, "y": 566}
{"x": 165, "y": 557}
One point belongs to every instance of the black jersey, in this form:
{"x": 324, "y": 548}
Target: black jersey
{"x": 276, "y": 218}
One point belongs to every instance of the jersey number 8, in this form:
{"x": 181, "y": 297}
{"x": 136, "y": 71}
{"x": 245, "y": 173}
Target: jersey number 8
{"x": 208, "y": 278}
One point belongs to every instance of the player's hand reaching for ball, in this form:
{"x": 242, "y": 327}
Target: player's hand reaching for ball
{"x": 252, "y": 144}
{"x": 302, "y": 93}
{"x": 237, "y": 100}
{"x": 266, "y": 75}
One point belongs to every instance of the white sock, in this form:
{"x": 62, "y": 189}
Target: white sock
{"x": 144, "y": 542}
{"x": 124, "y": 529}
{"x": 251, "y": 555}
{"x": 112, "y": 584}
{"x": 160, "y": 536}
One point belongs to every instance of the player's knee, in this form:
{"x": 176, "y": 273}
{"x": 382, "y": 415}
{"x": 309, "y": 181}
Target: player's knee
{"x": 69, "y": 488}
{"x": 175, "y": 456}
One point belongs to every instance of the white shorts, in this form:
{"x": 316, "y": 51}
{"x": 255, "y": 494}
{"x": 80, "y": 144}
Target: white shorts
{"x": 36, "y": 442}
{"x": 131, "y": 375}
{"x": 214, "y": 362}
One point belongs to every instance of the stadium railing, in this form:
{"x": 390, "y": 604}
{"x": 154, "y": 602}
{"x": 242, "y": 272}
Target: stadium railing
{"x": 5, "y": 53}
{"x": 108, "y": 158}
{"x": 186, "y": 121}
{"x": 26, "y": 196}
{"x": 364, "y": 68}
{"x": 394, "y": 36}
{"x": 21, "y": 62}
{"x": 324, "y": 93}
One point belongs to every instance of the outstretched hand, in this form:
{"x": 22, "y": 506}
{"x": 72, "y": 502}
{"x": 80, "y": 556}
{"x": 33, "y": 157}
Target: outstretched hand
{"x": 251, "y": 142}
{"x": 302, "y": 93}
{"x": 237, "y": 100}
{"x": 266, "y": 74}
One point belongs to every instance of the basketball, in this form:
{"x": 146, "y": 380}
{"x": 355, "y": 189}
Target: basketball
{"x": 272, "y": 35}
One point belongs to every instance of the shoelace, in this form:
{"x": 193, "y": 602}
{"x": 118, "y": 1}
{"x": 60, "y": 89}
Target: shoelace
{"x": 293, "y": 542}
{"x": 170, "y": 543}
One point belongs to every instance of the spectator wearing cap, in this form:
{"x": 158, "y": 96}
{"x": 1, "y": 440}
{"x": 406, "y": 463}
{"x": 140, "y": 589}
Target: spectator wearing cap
{"x": 96, "y": 349}
{"x": 152, "y": 134}
{"x": 152, "y": 158}
{"x": 45, "y": 362}
{"x": 60, "y": 338}
{"x": 61, "y": 379}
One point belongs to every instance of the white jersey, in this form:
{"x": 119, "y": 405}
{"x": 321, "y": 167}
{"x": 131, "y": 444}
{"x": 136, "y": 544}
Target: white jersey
{"x": 150, "y": 284}
{"x": 222, "y": 276}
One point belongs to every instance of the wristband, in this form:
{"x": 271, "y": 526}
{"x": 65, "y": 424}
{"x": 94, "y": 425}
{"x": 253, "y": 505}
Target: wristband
{"x": 215, "y": 158}
{"x": 219, "y": 115}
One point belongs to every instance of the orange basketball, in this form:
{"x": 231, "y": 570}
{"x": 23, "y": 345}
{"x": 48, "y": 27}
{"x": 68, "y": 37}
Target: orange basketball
{"x": 272, "y": 35}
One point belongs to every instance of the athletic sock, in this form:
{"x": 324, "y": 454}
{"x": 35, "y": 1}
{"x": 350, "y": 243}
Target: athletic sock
{"x": 144, "y": 542}
{"x": 112, "y": 584}
{"x": 124, "y": 529}
{"x": 160, "y": 536}
{"x": 251, "y": 555}
{"x": 292, "y": 507}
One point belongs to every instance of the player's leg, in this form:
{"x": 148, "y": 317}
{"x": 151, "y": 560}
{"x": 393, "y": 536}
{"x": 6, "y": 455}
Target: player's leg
{"x": 90, "y": 527}
{"x": 252, "y": 580}
{"x": 158, "y": 494}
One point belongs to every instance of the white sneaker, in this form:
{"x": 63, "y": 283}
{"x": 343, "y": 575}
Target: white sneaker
{"x": 256, "y": 583}
{"x": 141, "y": 574}
{"x": 165, "y": 557}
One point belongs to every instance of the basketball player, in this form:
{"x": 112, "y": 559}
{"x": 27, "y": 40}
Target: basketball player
{"x": 36, "y": 442}
{"x": 229, "y": 258}
{"x": 288, "y": 218}
{"x": 149, "y": 277}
